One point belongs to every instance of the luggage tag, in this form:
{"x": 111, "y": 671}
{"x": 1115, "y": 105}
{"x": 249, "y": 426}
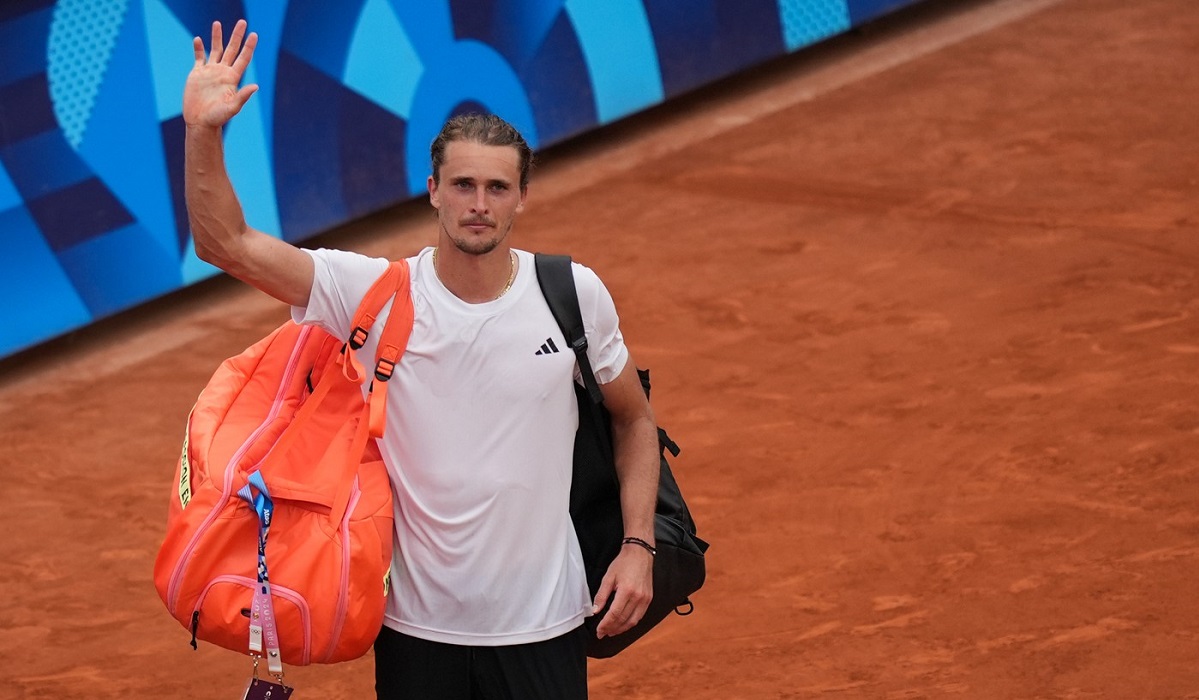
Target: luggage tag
{"x": 264, "y": 637}
{"x": 259, "y": 689}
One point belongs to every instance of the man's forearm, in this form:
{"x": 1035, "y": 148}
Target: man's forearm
{"x": 213, "y": 211}
{"x": 638, "y": 466}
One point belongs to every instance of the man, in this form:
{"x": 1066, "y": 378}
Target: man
{"x": 489, "y": 593}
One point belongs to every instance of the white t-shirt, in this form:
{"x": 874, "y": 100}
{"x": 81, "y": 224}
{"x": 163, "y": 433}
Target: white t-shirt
{"x": 479, "y": 444}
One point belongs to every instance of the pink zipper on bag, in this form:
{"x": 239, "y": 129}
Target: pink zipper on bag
{"x": 276, "y": 591}
{"x": 343, "y": 594}
{"x": 231, "y": 468}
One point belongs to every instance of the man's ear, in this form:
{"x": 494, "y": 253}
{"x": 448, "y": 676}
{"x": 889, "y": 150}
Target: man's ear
{"x": 434, "y": 197}
{"x": 524, "y": 195}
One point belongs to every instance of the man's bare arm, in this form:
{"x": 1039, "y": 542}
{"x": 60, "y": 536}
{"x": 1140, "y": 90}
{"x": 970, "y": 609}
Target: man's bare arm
{"x": 635, "y": 448}
{"x": 211, "y": 98}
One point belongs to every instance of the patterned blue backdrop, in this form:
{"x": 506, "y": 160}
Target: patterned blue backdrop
{"x": 92, "y": 216}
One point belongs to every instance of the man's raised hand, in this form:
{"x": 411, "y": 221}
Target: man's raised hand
{"x": 211, "y": 96}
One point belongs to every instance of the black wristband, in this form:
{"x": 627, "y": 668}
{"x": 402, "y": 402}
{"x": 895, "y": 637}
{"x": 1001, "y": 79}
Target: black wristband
{"x": 640, "y": 543}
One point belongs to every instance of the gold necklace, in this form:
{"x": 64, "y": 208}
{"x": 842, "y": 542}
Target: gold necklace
{"x": 511, "y": 273}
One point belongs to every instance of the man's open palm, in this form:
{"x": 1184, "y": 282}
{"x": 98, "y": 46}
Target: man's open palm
{"x": 211, "y": 96}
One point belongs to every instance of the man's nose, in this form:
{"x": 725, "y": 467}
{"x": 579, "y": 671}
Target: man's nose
{"x": 481, "y": 200}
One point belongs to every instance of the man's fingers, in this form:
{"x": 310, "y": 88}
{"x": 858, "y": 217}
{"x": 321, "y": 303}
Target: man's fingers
{"x": 620, "y": 618}
{"x": 618, "y": 614}
{"x": 627, "y": 610}
{"x": 602, "y": 595}
{"x": 243, "y": 59}
{"x": 217, "y": 51}
{"x": 637, "y": 613}
{"x": 198, "y": 49}
{"x": 239, "y": 31}
{"x": 243, "y": 95}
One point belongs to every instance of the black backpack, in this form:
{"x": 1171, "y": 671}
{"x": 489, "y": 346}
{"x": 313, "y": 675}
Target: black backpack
{"x": 679, "y": 568}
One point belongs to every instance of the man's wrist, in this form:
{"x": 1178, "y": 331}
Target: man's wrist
{"x": 201, "y": 128}
{"x": 638, "y": 542}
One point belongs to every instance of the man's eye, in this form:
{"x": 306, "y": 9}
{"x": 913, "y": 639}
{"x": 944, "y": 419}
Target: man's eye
{"x": 462, "y": 185}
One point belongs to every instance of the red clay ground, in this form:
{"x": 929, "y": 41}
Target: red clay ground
{"x": 922, "y": 313}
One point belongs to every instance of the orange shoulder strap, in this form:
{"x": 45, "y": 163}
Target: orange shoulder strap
{"x": 392, "y": 344}
{"x": 365, "y": 316}
{"x": 391, "y": 347}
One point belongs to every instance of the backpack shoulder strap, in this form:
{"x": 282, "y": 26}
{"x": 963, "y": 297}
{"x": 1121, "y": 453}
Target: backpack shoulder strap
{"x": 595, "y": 472}
{"x": 395, "y": 284}
{"x": 557, "y": 282}
{"x": 374, "y": 300}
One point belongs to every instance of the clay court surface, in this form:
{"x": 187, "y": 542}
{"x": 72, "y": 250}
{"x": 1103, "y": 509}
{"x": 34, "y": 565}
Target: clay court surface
{"x": 922, "y": 307}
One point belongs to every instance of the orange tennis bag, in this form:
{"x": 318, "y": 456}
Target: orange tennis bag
{"x": 279, "y": 531}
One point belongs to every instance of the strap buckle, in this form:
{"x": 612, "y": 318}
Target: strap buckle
{"x": 384, "y": 368}
{"x": 358, "y": 337}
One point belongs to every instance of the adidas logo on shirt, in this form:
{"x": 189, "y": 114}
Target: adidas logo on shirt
{"x": 547, "y": 348}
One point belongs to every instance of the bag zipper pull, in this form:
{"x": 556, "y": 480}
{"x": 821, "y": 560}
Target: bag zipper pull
{"x": 195, "y": 625}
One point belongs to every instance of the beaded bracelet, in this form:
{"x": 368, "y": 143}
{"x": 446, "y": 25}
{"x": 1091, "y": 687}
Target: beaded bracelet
{"x": 640, "y": 543}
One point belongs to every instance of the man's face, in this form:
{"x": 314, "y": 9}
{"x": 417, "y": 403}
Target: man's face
{"x": 479, "y": 195}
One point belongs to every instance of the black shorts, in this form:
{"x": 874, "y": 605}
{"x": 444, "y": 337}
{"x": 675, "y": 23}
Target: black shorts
{"x": 407, "y": 668}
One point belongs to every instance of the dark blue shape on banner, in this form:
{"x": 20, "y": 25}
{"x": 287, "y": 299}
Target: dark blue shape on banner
{"x": 199, "y": 16}
{"x": 309, "y": 127}
{"x": 17, "y": 58}
{"x": 372, "y": 164}
{"x": 15, "y": 8}
{"x": 474, "y": 19}
{"x": 514, "y": 28}
{"x": 865, "y": 10}
{"x": 78, "y": 213}
{"x": 25, "y": 109}
{"x": 173, "y": 132}
{"x": 319, "y": 32}
{"x": 468, "y": 107}
{"x": 705, "y": 40}
{"x": 559, "y": 86}
{"x": 537, "y": 39}
{"x": 43, "y": 164}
